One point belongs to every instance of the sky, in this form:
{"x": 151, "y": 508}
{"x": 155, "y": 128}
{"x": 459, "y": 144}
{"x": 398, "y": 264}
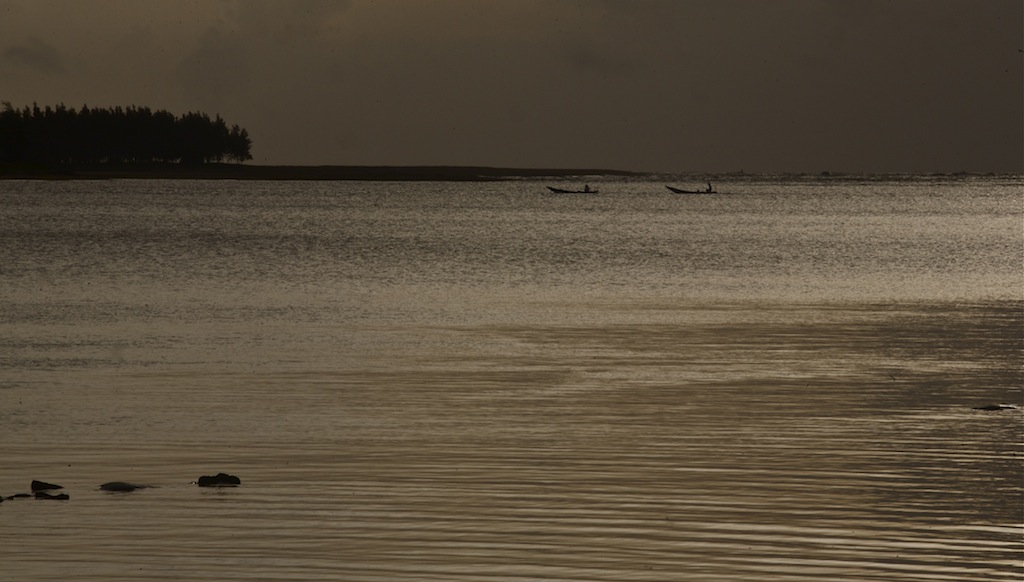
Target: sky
{"x": 643, "y": 85}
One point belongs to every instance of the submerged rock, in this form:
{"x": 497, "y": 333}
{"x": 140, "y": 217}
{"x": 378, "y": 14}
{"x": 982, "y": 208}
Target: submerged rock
{"x": 45, "y": 495}
{"x": 122, "y": 487}
{"x": 19, "y": 496}
{"x": 996, "y": 407}
{"x": 218, "y": 480}
{"x": 43, "y": 486}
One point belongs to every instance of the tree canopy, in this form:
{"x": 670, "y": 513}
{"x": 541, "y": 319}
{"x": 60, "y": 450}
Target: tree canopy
{"x": 120, "y": 135}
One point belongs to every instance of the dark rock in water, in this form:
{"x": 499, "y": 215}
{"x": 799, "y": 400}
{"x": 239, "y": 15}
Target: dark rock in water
{"x": 218, "y": 480}
{"x": 121, "y": 486}
{"x": 42, "y": 486}
{"x": 45, "y": 495}
{"x": 996, "y": 407}
{"x": 19, "y": 496}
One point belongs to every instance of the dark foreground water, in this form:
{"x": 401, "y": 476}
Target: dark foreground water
{"x": 484, "y": 382}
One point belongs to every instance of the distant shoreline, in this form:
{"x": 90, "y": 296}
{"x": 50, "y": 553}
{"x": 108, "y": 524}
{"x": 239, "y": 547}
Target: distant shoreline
{"x": 228, "y": 171}
{"x": 257, "y": 172}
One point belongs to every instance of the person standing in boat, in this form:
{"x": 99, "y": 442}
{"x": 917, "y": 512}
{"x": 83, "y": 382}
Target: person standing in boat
{"x": 586, "y": 188}
{"x": 709, "y": 187}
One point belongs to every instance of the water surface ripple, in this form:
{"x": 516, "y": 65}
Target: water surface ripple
{"x": 482, "y": 382}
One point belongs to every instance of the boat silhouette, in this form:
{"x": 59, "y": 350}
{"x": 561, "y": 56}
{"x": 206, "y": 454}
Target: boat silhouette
{"x": 585, "y": 190}
{"x": 708, "y": 190}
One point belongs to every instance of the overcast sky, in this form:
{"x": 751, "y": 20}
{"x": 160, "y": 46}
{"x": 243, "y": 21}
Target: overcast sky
{"x": 648, "y": 85}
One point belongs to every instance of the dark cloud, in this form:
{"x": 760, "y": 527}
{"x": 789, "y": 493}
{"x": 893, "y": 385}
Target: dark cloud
{"x": 804, "y": 85}
{"x": 216, "y": 72}
{"x": 37, "y": 55}
{"x": 589, "y": 59}
{"x": 277, "y": 20}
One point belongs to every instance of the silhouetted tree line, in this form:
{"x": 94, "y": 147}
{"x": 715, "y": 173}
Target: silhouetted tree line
{"x": 62, "y": 135}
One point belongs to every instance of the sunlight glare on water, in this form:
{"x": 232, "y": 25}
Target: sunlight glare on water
{"x": 482, "y": 381}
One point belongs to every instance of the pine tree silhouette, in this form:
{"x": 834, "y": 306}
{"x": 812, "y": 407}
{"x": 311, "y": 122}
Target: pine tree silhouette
{"x": 120, "y": 135}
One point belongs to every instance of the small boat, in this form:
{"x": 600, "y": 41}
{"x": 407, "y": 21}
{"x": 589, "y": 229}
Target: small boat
{"x": 585, "y": 190}
{"x": 996, "y": 407}
{"x": 708, "y": 190}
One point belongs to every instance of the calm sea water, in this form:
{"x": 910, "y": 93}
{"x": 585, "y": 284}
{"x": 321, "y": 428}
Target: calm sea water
{"x": 485, "y": 382}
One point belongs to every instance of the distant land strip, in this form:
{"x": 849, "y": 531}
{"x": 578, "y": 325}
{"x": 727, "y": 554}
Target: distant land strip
{"x": 218, "y": 171}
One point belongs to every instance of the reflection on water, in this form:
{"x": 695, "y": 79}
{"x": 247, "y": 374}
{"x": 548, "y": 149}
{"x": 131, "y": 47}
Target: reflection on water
{"x": 390, "y": 426}
{"x": 742, "y": 447}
